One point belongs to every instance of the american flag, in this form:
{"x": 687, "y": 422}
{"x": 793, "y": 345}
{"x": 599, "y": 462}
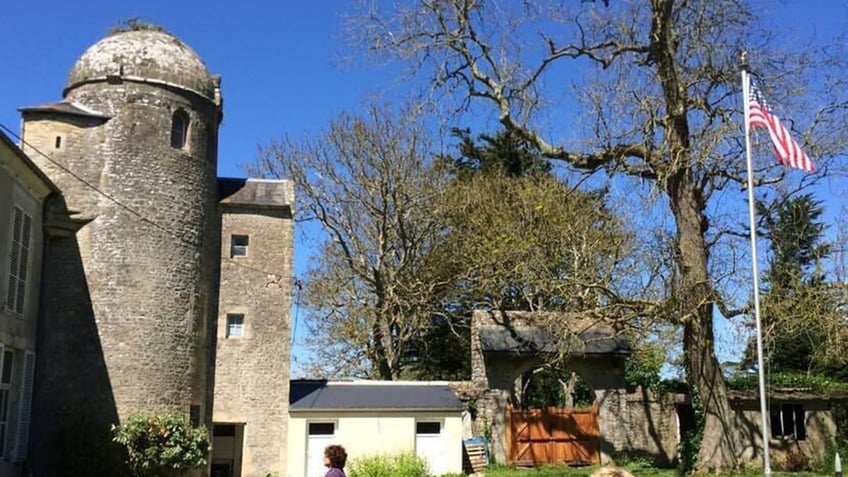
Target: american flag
{"x": 788, "y": 151}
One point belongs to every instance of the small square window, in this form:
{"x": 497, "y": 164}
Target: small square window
{"x": 788, "y": 422}
{"x": 238, "y": 245}
{"x": 428, "y": 428}
{"x": 235, "y": 326}
{"x": 322, "y": 428}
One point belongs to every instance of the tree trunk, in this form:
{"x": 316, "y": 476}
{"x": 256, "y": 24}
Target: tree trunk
{"x": 379, "y": 360}
{"x": 568, "y": 389}
{"x": 721, "y": 444}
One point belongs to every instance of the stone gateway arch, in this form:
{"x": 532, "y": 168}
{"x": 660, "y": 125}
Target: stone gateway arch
{"x": 506, "y": 344}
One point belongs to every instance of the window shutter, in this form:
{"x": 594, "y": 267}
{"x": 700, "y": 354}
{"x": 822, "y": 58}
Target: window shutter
{"x": 27, "y": 225}
{"x": 22, "y": 438}
{"x": 18, "y": 261}
{"x": 12, "y": 293}
{"x": 14, "y": 258}
{"x": 23, "y": 266}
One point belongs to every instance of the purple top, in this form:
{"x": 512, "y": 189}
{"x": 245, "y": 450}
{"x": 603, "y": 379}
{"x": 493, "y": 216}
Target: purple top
{"x": 334, "y": 472}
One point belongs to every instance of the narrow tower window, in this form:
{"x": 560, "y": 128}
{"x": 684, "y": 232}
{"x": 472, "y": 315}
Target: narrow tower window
{"x": 238, "y": 245}
{"x": 179, "y": 129}
{"x": 58, "y": 143}
{"x": 235, "y": 326}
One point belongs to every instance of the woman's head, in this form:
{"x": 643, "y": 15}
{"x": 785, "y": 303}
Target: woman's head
{"x": 335, "y": 456}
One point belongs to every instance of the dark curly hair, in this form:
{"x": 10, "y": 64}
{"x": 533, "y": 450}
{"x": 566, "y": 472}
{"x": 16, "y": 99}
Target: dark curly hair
{"x": 336, "y": 455}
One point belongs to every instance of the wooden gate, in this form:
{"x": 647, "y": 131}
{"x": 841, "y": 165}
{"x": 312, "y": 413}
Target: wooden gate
{"x": 553, "y": 436}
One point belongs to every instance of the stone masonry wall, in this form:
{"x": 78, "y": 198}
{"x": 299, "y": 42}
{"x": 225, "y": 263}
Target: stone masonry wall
{"x": 652, "y": 427}
{"x": 252, "y": 371}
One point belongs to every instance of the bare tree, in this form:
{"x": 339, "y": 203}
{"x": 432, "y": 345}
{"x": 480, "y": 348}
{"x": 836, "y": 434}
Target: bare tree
{"x": 658, "y": 97}
{"x": 367, "y": 182}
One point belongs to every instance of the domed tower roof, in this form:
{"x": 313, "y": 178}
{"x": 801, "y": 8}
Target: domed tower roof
{"x": 149, "y": 56}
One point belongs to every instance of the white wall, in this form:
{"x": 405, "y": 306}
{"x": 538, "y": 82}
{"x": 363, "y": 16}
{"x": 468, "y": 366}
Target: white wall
{"x": 373, "y": 432}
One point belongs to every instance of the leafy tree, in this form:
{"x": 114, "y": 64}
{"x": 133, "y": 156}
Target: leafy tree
{"x": 531, "y": 243}
{"x": 442, "y": 350}
{"x": 504, "y": 153}
{"x": 521, "y": 232}
{"x": 644, "y": 365}
{"x": 800, "y": 310}
{"x": 793, "y": 226}
{"x": 658, "y": 103}
{"x": 515, "y": 238}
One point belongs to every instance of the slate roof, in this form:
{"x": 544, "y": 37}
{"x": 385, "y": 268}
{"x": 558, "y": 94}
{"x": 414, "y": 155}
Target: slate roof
{"x": 64, "y": 107}
{"x": 255, "y": 192}
{"x": 319, "y": 395}
{"x": 528, "y": 341}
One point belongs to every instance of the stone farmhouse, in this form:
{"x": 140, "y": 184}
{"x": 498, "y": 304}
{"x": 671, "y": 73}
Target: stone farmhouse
{"x": 163, "y": 288}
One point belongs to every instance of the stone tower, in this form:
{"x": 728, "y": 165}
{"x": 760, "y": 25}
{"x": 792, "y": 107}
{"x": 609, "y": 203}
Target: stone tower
{"x": 131, "y": 289}
{"x": 254, "y": 328}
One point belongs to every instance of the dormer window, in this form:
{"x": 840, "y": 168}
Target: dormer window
{"x": 179, "y": 129}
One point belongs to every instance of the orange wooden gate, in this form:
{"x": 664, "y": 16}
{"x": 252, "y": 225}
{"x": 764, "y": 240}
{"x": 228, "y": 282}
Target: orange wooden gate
{"x": 553, "y": 436}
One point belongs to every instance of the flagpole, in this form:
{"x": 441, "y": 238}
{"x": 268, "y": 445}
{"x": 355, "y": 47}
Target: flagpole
{"x": 752, "y": 216}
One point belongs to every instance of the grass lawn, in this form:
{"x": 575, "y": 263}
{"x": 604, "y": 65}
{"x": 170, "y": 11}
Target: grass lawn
{"x": 637, "y": 470}
{"x": 563, "y": 471}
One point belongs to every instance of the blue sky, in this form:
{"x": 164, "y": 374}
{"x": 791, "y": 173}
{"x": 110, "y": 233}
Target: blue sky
{"x": 282, "y": 62}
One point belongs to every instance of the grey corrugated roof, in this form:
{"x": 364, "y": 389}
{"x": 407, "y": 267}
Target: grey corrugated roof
{"x": 312, "y": 395}
{"x": 526, "y": 341}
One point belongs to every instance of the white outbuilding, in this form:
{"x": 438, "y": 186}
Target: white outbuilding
{"x": 371, "y": 418}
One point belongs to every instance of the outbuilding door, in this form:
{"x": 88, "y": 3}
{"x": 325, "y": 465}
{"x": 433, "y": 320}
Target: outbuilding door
{"x": 320, "y": 435}
{"x": 553, "y": 436}
{"x": 430, "y": 445}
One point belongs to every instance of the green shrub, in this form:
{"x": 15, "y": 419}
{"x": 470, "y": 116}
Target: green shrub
{"x": 816, "y": 383}
{"x": 388, "y": 465}
{"x": 161, "y": 445}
